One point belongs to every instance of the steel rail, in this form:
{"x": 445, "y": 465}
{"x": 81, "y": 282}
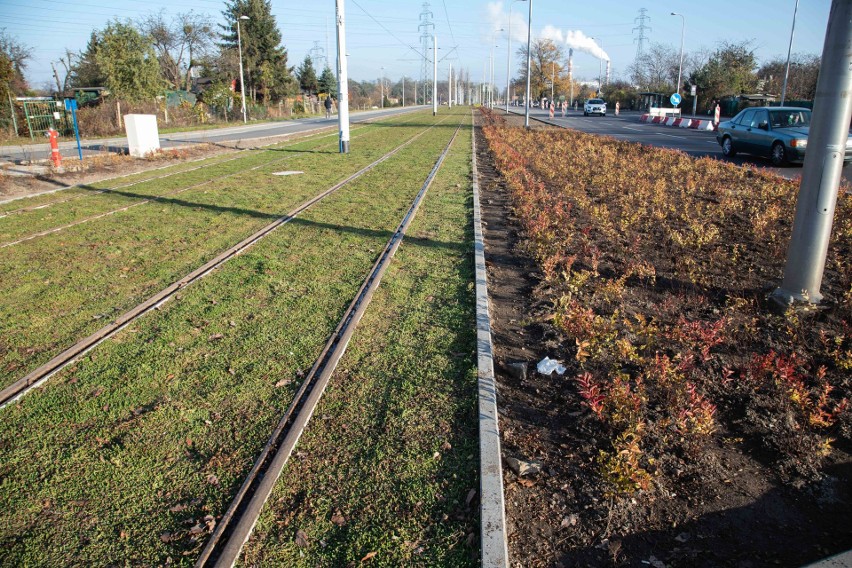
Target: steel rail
{"x": 38, "y": 376}
{"x": 150, "y": 199}
{"x": 236, "y": 525}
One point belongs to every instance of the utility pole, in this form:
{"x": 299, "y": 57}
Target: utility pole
{"x": 823, "y": 164}
{"x": 403, "y": 91}
{"x": 552, "y": 78}
{"x": 342, "y": 79}
{"x": 450, "y": 87}
{"x": 789, "y": 49}
{"x": 529, "y": 64}
{"x": 434, "y": 75}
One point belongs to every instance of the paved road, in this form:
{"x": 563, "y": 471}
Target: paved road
{"x": 626, "y": 126}
{"x": 229, "y": 134}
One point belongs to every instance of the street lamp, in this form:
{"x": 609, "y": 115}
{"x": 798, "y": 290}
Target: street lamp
{"x": 242, "y": 80}
{"x": 682, "y": 30}
{"x": 509, "y": 55}
{"x": 382, "y": 87}
{"x": 491, "y": 64}
{"x": 529, "y": 64}
{"x": 789, "y": 48}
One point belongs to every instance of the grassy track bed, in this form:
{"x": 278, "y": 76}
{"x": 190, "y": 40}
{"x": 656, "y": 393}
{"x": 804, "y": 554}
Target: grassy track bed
{"x": 386, "y": 467}
{"x": 108, "y": 195}
{"x": 120, "y": 458}
{"x": 95, "y": 271}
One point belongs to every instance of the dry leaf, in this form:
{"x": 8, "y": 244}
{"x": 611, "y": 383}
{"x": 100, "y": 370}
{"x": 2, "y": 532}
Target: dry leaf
{"x": 368, "y": 556}
{"x": 301, "y": 539}
{"x": 216, "y": 336}
{"x": 470, "y": 495}
{"x": 338, "y": 519}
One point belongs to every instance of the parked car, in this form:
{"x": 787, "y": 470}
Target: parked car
{"x": 778, "y": 133}
{"x": 595, "y": 106}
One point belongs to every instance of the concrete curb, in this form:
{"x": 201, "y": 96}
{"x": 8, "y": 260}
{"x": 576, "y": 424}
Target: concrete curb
{"x": 495, "y": 550}
{"x": 693, "y": 123}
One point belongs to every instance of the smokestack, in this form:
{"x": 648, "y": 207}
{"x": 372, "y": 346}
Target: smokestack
{"x": 607, "y": 71}
{"x": 570, "y": 61}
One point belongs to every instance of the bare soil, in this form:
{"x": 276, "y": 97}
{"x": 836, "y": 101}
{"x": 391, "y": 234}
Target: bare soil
{"x": 733, "y": 507}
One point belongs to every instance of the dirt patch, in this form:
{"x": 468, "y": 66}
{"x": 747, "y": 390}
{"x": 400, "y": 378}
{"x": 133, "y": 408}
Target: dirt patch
{"x": 730, "y": 507}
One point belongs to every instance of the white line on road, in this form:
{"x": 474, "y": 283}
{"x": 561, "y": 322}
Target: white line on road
{"x": 672, "y": 136}
{"x": 629, "y": 128}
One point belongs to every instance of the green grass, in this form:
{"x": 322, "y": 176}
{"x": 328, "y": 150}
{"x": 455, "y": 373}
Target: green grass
{"x": 392, "y": 448}
{"x": 95, "y": 271}
{"x": 118, "y": 457}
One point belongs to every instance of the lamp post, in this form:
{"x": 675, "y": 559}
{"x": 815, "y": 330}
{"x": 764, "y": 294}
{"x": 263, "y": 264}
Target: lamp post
{"x": 529, "y": 64}
{"x": 242, "y": 80}
{"x": 789, "y": 49}
{"x": 682, "y": 30}
{"x": 509, "y": 54}
{"x": 600, "y": 68}
{"x": 382, "y": 87}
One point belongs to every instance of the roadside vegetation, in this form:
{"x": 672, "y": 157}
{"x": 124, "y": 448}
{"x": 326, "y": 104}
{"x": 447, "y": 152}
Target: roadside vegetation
{"x": 659, "y": 279}
{"x": 132, "y": 452}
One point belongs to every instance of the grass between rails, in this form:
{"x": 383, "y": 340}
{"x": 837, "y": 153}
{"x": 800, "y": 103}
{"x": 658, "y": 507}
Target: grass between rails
{"x": 385, "y": 469}
{"x": 121, "y": 458}
{"x": 94, "y": 271}
{"x": 83, "y": 201}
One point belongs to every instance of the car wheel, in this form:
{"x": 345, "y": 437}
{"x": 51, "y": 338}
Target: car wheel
{"x": 779, "y": 155}
{"x": 604, "y": 114}
{"x": 728, "y": 147}
{"x": 585, "y": 113}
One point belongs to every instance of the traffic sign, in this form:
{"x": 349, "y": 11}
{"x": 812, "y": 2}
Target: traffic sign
{"x": 675, "y": 99}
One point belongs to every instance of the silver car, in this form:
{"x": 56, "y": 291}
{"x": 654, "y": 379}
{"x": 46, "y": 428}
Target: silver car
{"x": 778, "y": 133}
{"x": 595, "y": 106}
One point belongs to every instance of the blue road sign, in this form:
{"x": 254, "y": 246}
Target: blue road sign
{"x": 70, "y": 104}
{"x": 675, "y": 99}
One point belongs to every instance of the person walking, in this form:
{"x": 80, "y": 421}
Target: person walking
{"x": 328, "y": 106}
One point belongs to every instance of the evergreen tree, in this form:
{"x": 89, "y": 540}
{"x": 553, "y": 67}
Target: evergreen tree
{"x": 308, "y": 77}
{"x": 264, "y": 58}
{"x": 328, "y": 82}
{"x": 86, "y": 73}
{"x": 15, "y": 57}
{"x": 128, "y": 63}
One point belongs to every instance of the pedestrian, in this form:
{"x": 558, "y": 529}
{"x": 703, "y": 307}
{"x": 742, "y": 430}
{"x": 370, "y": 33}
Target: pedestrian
{"x": 328, "y": 106}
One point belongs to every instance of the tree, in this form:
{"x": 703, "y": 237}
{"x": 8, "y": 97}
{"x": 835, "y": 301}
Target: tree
{"x": 16, "y": 56}
{"x": 546, "y": 61}
{"x": 802, "y": 79}
{"x": 261, "y": 43}
{"x": 307, "y": 76}
{"x": 128, "y": 62}
{"x": 86, "y": 72}
{"x": 656, "y": 69}
{"x": 729, "y": 71}
{"x": 178, "y": 43}
{"x": 328, "y": 82}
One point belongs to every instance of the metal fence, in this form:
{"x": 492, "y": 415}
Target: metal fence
{"x": 43, "y": 114}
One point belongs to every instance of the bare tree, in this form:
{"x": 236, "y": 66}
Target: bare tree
{"x": 179, "y": 43}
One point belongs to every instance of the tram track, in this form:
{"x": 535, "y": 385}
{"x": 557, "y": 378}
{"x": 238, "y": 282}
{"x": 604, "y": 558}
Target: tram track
{"x": 43, "y": 373}
{"x": 153, "y": 198}
{"x": 236, "y": 525}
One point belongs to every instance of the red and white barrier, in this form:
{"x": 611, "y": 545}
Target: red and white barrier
{"x": 693, "y": 123}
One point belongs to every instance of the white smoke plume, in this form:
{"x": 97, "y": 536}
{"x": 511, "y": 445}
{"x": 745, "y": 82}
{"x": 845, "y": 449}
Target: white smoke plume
{"x": 498, "y": 17}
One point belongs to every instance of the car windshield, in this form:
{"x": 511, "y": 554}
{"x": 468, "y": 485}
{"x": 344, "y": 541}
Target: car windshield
{"x": 596, "y": 102}
{"x": 789, "y": 118}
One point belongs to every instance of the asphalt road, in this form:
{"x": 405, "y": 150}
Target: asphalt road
{"x": 627, "y": 126}
{"x": 228, "y": 134}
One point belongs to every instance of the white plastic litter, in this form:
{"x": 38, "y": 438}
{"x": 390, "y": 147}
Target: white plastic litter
{"x": 288, "y": 173}
{"x": 547, "y": 365}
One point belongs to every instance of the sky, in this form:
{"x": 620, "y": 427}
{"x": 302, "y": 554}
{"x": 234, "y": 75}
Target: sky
{"x": 384, "y": 33}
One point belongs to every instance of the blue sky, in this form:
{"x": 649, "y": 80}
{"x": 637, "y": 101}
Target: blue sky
{"x": 382, "y": 33}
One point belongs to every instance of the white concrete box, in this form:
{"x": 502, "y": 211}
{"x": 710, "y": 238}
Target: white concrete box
{"x": 142, "y": 135}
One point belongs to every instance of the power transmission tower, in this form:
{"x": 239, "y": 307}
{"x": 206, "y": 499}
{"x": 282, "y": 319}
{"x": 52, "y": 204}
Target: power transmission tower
{"x": 427, "y": 30}
{"x": 640, "y": 41}
{"x": 317, "y": 54}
